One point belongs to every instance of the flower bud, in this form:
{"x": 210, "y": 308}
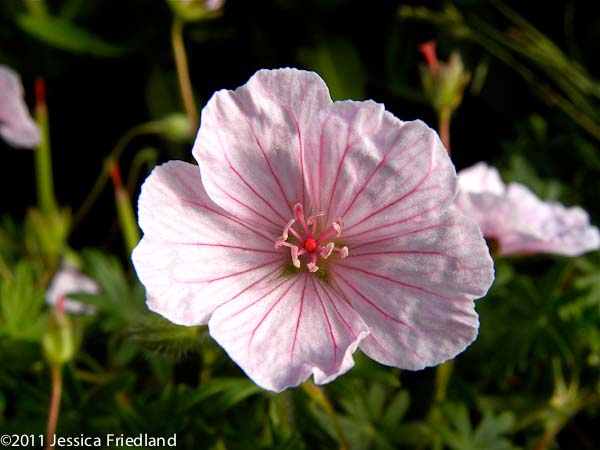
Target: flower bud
{"x": 443, "y": 83}
{"x": 59, "y": 341}
{"x": 193, "y": 10}
{"x": 175, "y": 127}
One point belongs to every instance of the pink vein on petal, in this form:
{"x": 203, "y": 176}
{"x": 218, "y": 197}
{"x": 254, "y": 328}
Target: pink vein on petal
{"x": 385, "y": 225}
{"x": 373, "y": 305}
{"x": 403, "y": 197}
{"x": 401, "y": 283}
{"x": 262, "y": 150}
{"x": 380, "y": 311}
{"x": 297, "y": 326}
{"x": 241, "y": 272}
{"x": 383, "y": 160}
{"x": 236, "y": 247}
{"x": 330, "y": 329}
{"x": 243, "y": 179}
{"x": 339, "y": 168}
{"x": 269, "y": 312}
{"x": 242, "y": 224}
{"x": 249, "y": 305}
{"x": 239, "y": 202}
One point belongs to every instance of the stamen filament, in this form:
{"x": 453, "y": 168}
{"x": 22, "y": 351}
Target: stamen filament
{"x": 309, "y": 244}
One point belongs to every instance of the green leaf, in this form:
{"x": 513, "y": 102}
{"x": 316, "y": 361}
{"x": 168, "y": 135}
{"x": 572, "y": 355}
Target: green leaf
{"x": 21, "y": 304}
{"x": 224, "y": 392}
{"x": 65, "y": 35}
{"x": 338, "y": 62}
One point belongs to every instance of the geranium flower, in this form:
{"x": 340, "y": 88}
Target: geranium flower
{"x": 311, "y": 228}
{"x": 17, "y": 127}
{"x": 67, "y": 281}
{"x": 518, "y": 221}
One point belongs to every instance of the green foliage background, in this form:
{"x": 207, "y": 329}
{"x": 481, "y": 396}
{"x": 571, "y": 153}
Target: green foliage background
{"x": 530, "y": 381}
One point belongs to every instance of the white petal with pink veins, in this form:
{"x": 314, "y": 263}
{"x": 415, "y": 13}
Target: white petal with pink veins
{"x": 375, "y": 170}
{"x": 252, "y": 143}
{"x": 518, "y": 220}
{"x": 416, "y": 291}
{"x": 193, "y": 255}
{"x": 284, "y": 331}
{"x": 16, "y": 125}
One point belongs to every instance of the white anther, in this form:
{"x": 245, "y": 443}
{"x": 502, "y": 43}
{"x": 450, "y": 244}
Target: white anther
{"x": 327, "y": 250}
{"x": 295, "y": 260}
{"x": 312, "y": 267}
{"x": 337, "y": 227}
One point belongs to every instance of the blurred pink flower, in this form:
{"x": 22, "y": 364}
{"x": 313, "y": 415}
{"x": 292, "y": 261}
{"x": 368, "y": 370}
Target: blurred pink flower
{"x": 518, "y": 220}
{"x": 17, "y": 127}
{"x": 312, "y": 228}
{"x": 68, "y": 280}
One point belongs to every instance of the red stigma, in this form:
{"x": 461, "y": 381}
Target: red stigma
{"x": 310, "y": 245}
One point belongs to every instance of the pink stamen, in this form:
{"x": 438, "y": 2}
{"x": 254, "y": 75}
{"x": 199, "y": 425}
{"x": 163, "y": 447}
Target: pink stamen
{"x": 310, "y": 245}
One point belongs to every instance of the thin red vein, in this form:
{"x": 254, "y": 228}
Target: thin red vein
{"x": 297, "y": 326}
{"x": 233, "y": 274}
{"x": 236, "y": 247}
{"x": 397, "y": 236}
{"x": 339, "y": 168}
{"x": 392, "y": 280}
{"x": 380, "y": 311}
{"x": 320, "y": 179}
{"x": 398, "y": 222}
{"x": 238, "y": 222}
{"x": 269, "y": 312}
{"x": 258, "y": 299}
{"x": 373, "y": 305}
{"x": 248, "y": 207}
{"x": 251, "y": 188}
{"x": 329, "y": 327}
{"x": 403, "y": 197}
{"x": 342, "y": 318}
{"x": 383, "y": 160}
{"x": 262, "y": 150}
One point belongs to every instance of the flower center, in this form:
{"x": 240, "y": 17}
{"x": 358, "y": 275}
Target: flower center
{"x": 306, "y": 243}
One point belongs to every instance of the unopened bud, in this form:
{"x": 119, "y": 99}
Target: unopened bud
{"x": 59, "y": 341}
{"x": 443, "y": 82}
{"x": 176, "y": 127}
{"x": 193, "y": 10}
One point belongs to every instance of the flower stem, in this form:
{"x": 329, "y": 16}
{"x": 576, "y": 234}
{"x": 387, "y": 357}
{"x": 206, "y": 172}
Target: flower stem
{"x": 115, "y": 154}
{"x": 444, "y": 127}
{"x": 317, "y": 394}
{"x": 183, "y": 74}
{"x": 43, "y": 158}
{"x": 56, "y": 372}
{"x": 127, "y": 221}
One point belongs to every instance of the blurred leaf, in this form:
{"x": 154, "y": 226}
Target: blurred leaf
{"x": 121, "y": 302}
{"x": 21, "y": 303}
{"x": 338, "y": 62}
{"x": 223, "y": 392}
{"x": 158, "y": 334}
{"x": 458, "y": 433}
{"x": 65, "y": 35}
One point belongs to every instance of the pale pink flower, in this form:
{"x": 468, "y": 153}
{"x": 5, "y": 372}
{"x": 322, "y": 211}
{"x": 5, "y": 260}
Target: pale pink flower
{"x": 17, "y": 127}
{"x": 67, "y": 281}
{"x": 518, "y": 220}
{"x": 311, "y": 228}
